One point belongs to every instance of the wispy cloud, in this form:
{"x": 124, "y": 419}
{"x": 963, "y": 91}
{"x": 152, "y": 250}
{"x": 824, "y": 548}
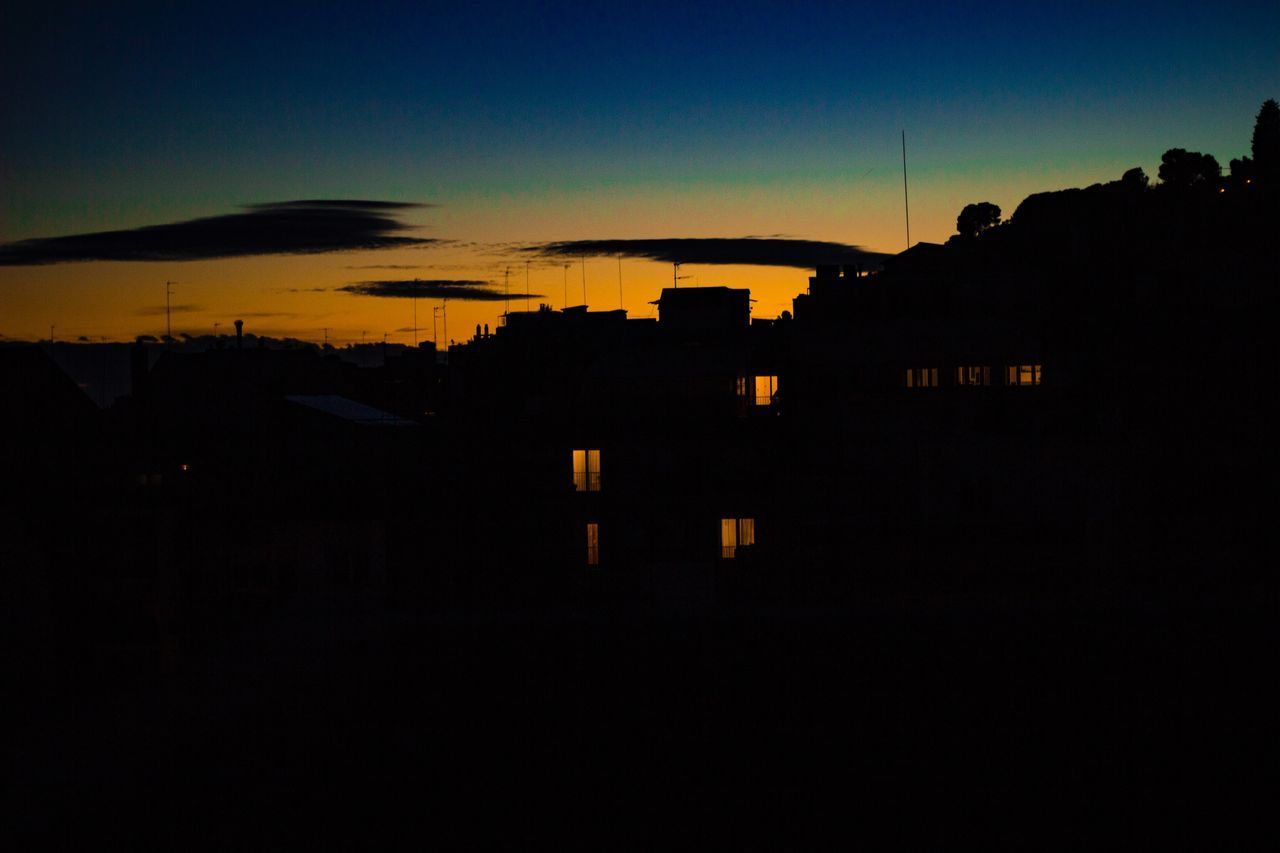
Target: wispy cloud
{"x": 759, "y": 251}
{"x": 278, "y": 228}
{"x": 460, "y": 289}
{"x": 160, "y": 310}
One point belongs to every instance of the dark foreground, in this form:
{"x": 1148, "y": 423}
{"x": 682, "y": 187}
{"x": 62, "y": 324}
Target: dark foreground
{"x": 941, "y": 726}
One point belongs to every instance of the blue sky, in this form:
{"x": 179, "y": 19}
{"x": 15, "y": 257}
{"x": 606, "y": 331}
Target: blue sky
{"x": 518, "y": 117}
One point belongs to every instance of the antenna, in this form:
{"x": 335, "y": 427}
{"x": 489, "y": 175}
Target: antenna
{"x": 326, "y": 337}
{"x": 675, "y": 274}
{"x": 506, "y": 288}
{"x": 526, "y": 285}
{"x": 620, "y": 280}
{"x": 415, "y": 314}
{"x": 906, "y": 206}
{"x": 584, "y": 281}
{"x": 566, "y": 285}
{"x": 168, "y": 322}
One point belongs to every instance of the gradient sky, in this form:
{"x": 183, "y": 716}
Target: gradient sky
{"x": 531, "y": 122}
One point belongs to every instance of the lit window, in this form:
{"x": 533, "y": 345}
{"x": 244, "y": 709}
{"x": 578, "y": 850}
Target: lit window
{"x": 1023, "y": 374}
{"x": 922, "y": 377}
{"x": 734, "y": 533}
{"x": 766, "y": 388}
{"x": 973, "y": 375}
{"x": 586, "y": 470}
{"x": 593, "y": 543}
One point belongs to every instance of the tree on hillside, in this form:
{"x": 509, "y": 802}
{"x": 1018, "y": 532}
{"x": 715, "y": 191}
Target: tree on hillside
{"x": 1189, "y": 169}
{"x": 1266, "y": 140}
{"x": 1134, "y": 179}
{"x": 976, "y": 218}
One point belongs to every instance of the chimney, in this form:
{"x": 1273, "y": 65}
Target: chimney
{"x": 239, "y": 334}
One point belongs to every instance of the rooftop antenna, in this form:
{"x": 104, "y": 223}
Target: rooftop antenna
{"x": 675, "y": 274}
{"x": 906, "y": 206}
{"x": 168, "y": 324}
{"x": 506, "y": 288}
{"x": 526, "y": 284}
{"x": 566, "y": 285}
{"x": 50, "y": 333}
{"x": 326, "y": 337}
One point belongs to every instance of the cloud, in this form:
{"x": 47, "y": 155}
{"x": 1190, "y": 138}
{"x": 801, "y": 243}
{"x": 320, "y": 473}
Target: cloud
{"x": 758, "y": 251}
{"x": 460, "y": 289}
{"x": 160, "y": 310}
{"x": 385, "y": 267}
{"x": 279, "y": 228}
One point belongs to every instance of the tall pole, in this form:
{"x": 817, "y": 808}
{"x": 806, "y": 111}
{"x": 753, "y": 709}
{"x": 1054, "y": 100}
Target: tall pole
{"x": 506, "y": 288}
{"x": 415, "y": 320}
{"x": 526, "y": 285}
{"x": 444, "y": 313}
{"x": 566, "y": 285}
{"x": 584, "y": 281}
{"x": 435, "y": 337}
{"x": 906, "y": 206}
{"x": 619, "y": 280}
{"x": 168, "y": 322}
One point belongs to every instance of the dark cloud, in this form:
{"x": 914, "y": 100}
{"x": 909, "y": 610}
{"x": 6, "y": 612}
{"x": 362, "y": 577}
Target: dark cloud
{"x": 160, "y": 310}
{"x": 759, "y": 251}
{"x": 281, "y": 228}
{"x": 385, "y": 267}
{"x": 461, "y": 289}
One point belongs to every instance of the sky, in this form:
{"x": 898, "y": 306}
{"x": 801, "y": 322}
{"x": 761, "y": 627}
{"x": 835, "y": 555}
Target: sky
{"x": 499, "y": 128}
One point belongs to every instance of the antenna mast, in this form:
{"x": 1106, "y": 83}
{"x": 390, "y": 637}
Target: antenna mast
{"x": 906, "y": 206}
{"x": 620, "y": 281}
{"x": 168, "y": 322}
{"x": 526, "y": 285}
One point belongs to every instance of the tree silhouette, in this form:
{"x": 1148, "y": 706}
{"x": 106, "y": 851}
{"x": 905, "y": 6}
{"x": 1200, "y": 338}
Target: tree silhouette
{"x": 1135, "y": 179}
{"x": 1266, "y": 140}
{"x": 976, "y": 218}
{"x": 1189, "y": 169}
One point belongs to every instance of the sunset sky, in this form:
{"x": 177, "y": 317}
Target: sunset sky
{"x": 521, "y": 124}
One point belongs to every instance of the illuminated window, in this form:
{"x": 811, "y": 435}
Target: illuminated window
{"x": 922, "y": 377}
{"x": 736, "y": 532}
{"x": 973, "y": 375}
{"x": 593, "y": 543}
{"x": 766, "y": 388}
{"x": 1023, "y": 374}
{"x": 586, "y": 470}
